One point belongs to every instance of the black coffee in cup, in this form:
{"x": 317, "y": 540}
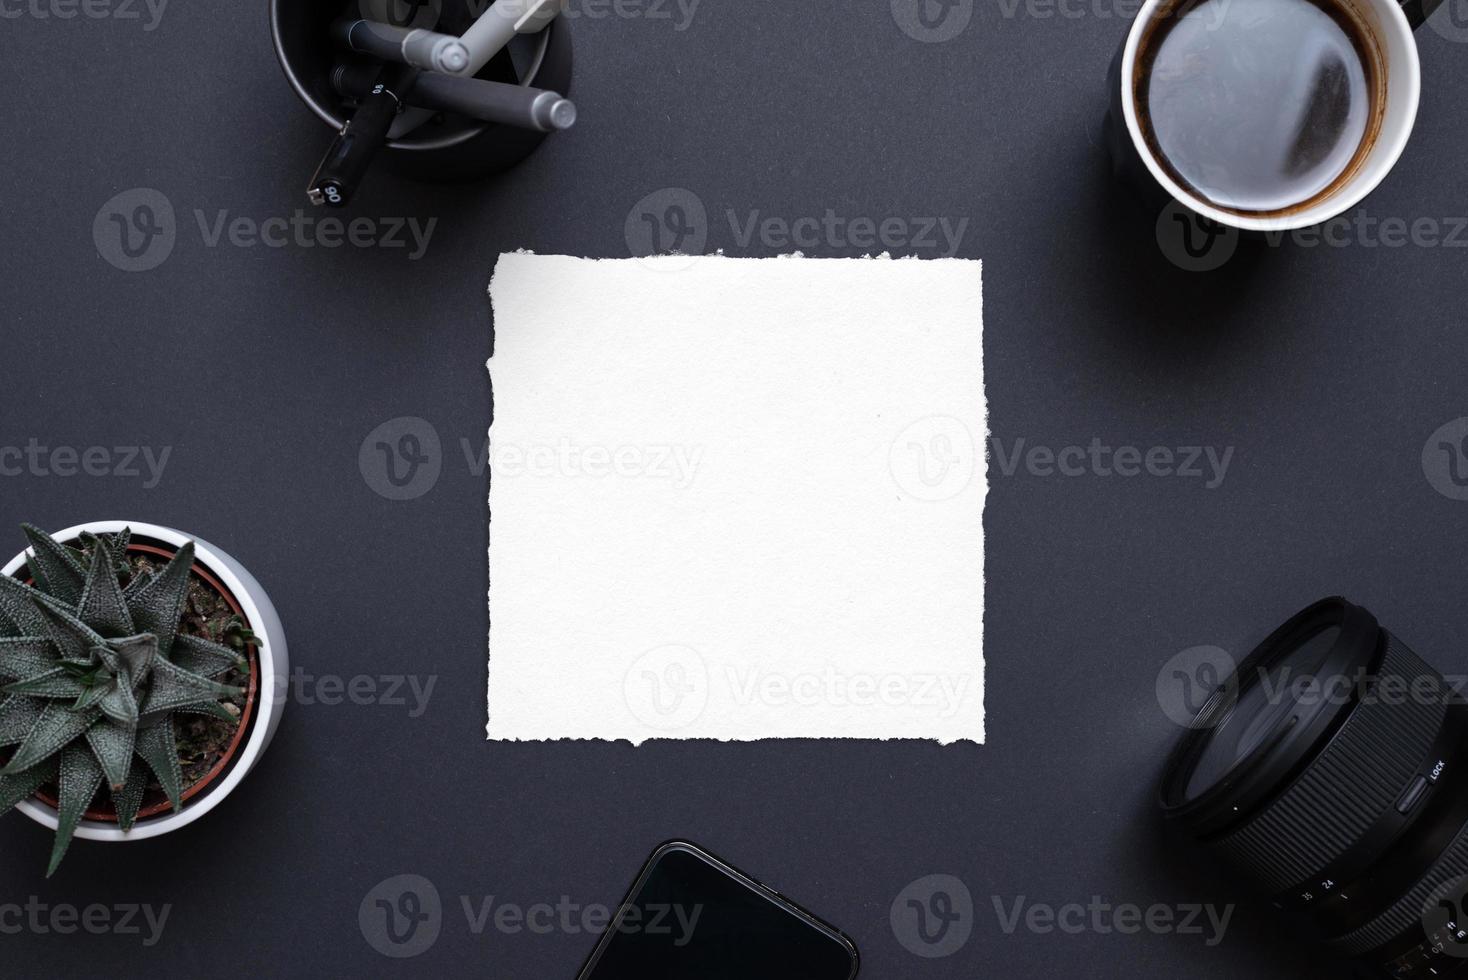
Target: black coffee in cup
{"x": 1260, "y": 107}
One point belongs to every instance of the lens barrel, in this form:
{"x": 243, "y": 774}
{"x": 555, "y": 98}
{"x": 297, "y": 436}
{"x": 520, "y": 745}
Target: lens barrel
{"x": 1326, "y": 771}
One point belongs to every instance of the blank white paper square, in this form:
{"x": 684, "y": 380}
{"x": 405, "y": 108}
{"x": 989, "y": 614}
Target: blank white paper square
{"x": 736, "y": 499}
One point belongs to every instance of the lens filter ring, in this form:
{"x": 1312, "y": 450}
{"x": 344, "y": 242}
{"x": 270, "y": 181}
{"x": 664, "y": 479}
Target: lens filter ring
{"x": 1351, "y": 784}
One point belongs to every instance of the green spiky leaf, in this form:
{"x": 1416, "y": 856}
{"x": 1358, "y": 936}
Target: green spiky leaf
{"x": 140, "y": 581}
{"x": 53, "y": 730}
{"x": 26, "y": 656}
{"x": 121, "y": 705}
{"x": 73, "y": 638}
{"x": 202, "y": 657}
{"x": 63, "y": 575}
{"x": 102, "y": 606}
{"x": 158, "y": 606}
{"x": 55, "y": 683}
{"x": 21, "y": 785}
{"x": 18, "y": 604}
{"x": 129, "y": 799}
{"x": 79, "y": 778}
{"x": 17, "y": 717}
{"x": 135, "y": 656}
{"x": 173, "y": 687}
{"x": 112, "y": 744}
{"x": 93, "y": 695}
{"x": 156, "y": 745}
{"x": 212, "y": 709}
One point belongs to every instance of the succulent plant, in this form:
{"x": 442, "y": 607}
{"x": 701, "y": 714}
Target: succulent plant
{"x": 93, "y": 668}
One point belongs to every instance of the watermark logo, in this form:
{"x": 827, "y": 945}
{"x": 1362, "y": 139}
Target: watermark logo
{"x": 933, "y": 21}
{"x": 37, "y": 459}
{"x": 667, "y": 688}
{"x": 402, "y": 458}
{"x": 1208, "y": 464}
{"x": 136, "y": 230}
{"x": 1445, "y": 460}
{"x": 1187, "y": 681}
{"x": 673, "y": 923}
{"x": 40, "y": 918}
{"x": 401, "y": 917}
{"x": 933, "y": 459}
{"x": 670, "y": 221}
{"x": 1103, "y": 918}
{"x": 939, "y": 694}
{"x": 149, "y": 13}
{"x": 1451, "y": 21}
{"x": 401, "y": 13}
{"x": 933, "y": 917}
{"x": 410, "y": 691}
{"x": 675, "y": 221}
{"x": 676, "y": 465}
{"x": 1192, "y": 242}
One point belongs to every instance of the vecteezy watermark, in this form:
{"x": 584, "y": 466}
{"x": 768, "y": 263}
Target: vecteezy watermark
{"x": 667, "y": 688}
{"x": 940, "y": 695}
{"x": 36, "y": 459}
{"x": 678, "y": 14}
{"x": 1445, "y": 459}
{"x": 137, "y": 231}
{"x": 411, "y": 691}
{"x": 1101, "y": 917}
{"x": 672, "y": 921}
{"x": 1451, "y": 21}
{"x": 939, "y": 236}
{"x": 933, "y": 459}
{"x": 1192, "y": 242}
{"x": 65, "y": 919}
{"x": 403, "y": 458}
{"x": 932, "y": 21}
{"x": 1188, "y": 680}
{"x": 677, "y": 465}
{"x": 1210, "y": 13}
{"x": 1198, "y": 244}
{"x": 1362, "y": 229}
{"x": 1206, "y": 463}
{"x": 403, "y": 916}
{"x": 933, "y": 917}
{"x": 675, "y": 221}
{"x": 670, "y": 687}
{"x": 148, "y": 13}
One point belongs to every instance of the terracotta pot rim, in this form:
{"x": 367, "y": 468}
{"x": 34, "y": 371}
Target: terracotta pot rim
{"x": 109, "y": 815}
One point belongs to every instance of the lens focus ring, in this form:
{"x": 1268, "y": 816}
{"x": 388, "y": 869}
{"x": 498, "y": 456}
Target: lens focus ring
{"x": 1411, "y": 907}
{"x": 1351, "y": 783}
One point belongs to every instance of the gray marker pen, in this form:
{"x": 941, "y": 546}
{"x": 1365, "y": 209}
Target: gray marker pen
{"x": 477, "y": 98}
{"x": 428, "y": 50}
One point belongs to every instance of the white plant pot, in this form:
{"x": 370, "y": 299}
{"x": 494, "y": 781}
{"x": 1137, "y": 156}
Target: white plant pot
{"x": 274, "y": 666}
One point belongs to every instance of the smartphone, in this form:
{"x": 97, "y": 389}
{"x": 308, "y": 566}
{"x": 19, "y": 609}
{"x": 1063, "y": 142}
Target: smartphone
{"x": 691, "y": 916}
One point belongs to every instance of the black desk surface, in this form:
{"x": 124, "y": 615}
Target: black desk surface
{"x": 1326, "y": 369}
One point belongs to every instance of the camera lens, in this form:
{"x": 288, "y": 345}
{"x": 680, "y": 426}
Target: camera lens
{"x": 1325, "y": 770}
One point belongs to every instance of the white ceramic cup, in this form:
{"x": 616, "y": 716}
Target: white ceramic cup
{"x": 274, "y": 668}
{"x": 1390, "y": 25}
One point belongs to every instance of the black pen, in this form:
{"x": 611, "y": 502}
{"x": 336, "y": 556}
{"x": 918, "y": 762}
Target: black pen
{"x": 350, "y": 154}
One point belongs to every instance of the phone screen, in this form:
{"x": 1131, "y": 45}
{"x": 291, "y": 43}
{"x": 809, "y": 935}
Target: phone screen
{"x": 690, "y": 916}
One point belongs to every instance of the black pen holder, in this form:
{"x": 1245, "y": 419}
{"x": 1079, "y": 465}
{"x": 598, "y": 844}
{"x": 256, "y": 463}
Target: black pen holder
{"x": 449, "y": 146}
